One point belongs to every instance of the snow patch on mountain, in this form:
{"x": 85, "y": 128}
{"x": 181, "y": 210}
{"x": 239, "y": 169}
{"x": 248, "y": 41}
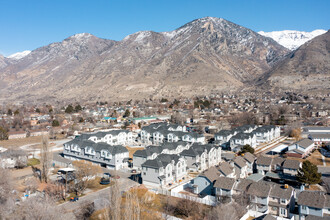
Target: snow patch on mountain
{"x": 292, "y": 39}
{"x": 19, "y": 55}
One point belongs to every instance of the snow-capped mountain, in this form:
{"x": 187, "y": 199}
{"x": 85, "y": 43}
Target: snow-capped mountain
{"x": 19, "y": 55}
{"x": 292, "y": 39}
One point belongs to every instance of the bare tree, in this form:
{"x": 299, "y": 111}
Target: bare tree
{"x": 84, "y": 211}
{"x": 115, "y": 201}
{"x": 84, "y": 174}
{"x": 46, "y": 159}
{"x": 132, "y": 207}
{"x": 5, "y": 192}
{"x": 229, "y": 211}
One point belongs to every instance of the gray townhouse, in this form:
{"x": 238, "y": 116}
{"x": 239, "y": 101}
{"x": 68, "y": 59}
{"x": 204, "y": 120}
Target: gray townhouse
{"x": 223, "y": 136}
{"x": 281, "y": 200}
{"x": 271, "y": 198}
{"x": 241, "y": 139}
{"x": 313, "y": 205}
{"x": 239, "y": 163}
{"x": 149, "y": 136}
{"x": 264, "y": 164}
{"x": 301, "y": 148}
{"x": 200, "y": 157}
{"x": 224, "y": 187}
{"x": 141, "y": 156}
{"x": 291, "y": 167}
{"x": 250, "y": 161}
{"x": 193, "y": 137}
{"x": 227, "y": 170}
{"x": 114, "y": 137}
{"x": 204, "y": 183}
{"x": 109, "y": 156}
{"x": 165, "y": 169}
{"x": 267, "y": 133}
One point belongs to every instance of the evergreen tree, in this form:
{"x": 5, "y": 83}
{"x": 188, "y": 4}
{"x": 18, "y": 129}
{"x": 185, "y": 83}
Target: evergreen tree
{"x": 78, "y": 108}
{"x": 69, "y": 109}
{"x": 127, "y": 113}
{"x": 247, "y": 148}
{"x": 3, "y": 134}
{"x": 308, "y": 173}
{"x": 55, "y": 123}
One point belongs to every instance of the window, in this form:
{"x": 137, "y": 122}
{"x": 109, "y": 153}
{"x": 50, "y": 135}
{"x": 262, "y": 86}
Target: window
{"x": 303, "y": 207}
{"x": 283, "y": 211}
{"x": 144, "y": 173}
{"x": 283, "y": 201}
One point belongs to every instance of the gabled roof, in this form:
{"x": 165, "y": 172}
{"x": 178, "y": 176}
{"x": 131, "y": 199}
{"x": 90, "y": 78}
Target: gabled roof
{"x": 304, "y": 143}
{"x": 243, "y": 185}
{"x": 212, "y": 174}
{"x": 316, "y": 199}
{"x": 265, "y": 161}
{"x": 161, "y": 160}
{"x": 278, "y": 161}
{"x": 249, "y": 157}
{"x": 260, "y": 189}
{"x": 240, "y": 162}
{"x": 279, "y": 191}
{"x": 226, "y": 169}
{"x": 224, "y": 183}
{"x": 291, "y": 164}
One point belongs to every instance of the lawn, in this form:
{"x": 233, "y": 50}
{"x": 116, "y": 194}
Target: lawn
{"x": 15, "y": 143}
{"x": 315, "y": 158}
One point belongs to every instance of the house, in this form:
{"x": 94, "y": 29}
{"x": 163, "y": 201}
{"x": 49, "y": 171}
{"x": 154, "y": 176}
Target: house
{"x": 301, "y": 148}
{"x": 113, "y": 137}
{"x": 277, "y": 164}
{"x": 242, "y": 186}
{"x": 291, "y": 167}
{"x": 250, "y": 160}
{"x": 263, "y": 164}
{"x": 281, "y": 200}
{"x": 241, "y": 139}
{"x": 227, "y": 170}
{"x": 224, "y": 187}
{"x": 204, "y": 183}
{"x": 313, "y": 203}
{"x": 163, "y": 170}
{"x": 13, "y": 158}
{"x": 241, "y": 164}
{"x": 193, "y": 137}
{"x": 38, "y": 132}
{"x": 223, "y": 136}
{"x": 267, "y": 133}
{"x": 109, "y": 156}
{"x": 141, "y": 156}
{"x": 259, "y": 196}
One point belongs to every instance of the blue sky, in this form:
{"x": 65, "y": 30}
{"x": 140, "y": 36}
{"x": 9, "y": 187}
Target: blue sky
{"x": 29, "y": 24}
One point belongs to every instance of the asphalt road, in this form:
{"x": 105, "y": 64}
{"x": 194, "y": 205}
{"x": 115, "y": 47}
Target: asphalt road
{"x": 69, "y": 207}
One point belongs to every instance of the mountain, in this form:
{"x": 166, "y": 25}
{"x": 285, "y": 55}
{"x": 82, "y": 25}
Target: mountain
{"x": 305, "y": 69}
{"x": 19, "y": 55}
{"x": 292, "y": 39}
{"x": 203, "y": 56}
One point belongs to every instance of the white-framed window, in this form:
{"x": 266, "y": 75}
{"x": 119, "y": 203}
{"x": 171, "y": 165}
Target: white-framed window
{"x": 283, "y": 211}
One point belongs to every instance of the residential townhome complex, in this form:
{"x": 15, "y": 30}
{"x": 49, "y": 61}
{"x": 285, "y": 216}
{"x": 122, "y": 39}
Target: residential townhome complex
{"x": 197, "y": 158}
{"x": 163, "y": 170}
{"x": 151, "y": 152}
{"x": 246, "y": 134}
{"x": 271, "y": 198}
{"x": 114, "y": 137}
{"x": 109, "y": 156}
{"x": 314, "y": 204}
{"x": 162, "y": 132}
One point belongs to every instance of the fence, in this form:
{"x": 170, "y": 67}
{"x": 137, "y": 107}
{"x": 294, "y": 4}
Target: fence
{"x": 207, "y": 200}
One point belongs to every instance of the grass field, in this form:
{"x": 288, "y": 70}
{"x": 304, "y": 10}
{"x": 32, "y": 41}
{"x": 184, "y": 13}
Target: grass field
{"x": 15, "y": 143}
{"x": 315, "y": 158}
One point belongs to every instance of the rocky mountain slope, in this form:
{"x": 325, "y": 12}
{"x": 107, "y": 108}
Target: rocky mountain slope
{"x": 305, "y": 69}
{"x": 19, "y": 55}
{"x": 203, "y": 56}
{"x": 292, "y": 39}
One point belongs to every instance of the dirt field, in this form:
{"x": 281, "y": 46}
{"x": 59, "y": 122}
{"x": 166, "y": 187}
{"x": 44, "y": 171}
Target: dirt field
{"x": 14, "y": 143}
{"x": 315, "y": 158}
{"x": 132, "y": 150}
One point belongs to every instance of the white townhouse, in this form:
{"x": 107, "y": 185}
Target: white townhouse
{"x": 114, "y": 137}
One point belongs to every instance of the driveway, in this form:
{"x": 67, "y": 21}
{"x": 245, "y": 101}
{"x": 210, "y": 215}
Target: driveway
{"x": 103, "y": 194}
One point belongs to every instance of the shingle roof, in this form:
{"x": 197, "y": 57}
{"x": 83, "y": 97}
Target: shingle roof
{"x": 240, "y": 162}
{"x": 279, "y": 191}
{"x": 291, "y": 164}
{"x": 243, "y": 184}
{"x": 278, "y": 161}
{"x": 266, "y": 161}
{"x": 249, "y": 157}
{"x": 316, "y": 199}
{"x": 305, "y": 143}
{"x": 224, "y": 183}
{"x": 260, "y": 189}
{"x": 226, "y": 169}
{"x": 212, "y": 173}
